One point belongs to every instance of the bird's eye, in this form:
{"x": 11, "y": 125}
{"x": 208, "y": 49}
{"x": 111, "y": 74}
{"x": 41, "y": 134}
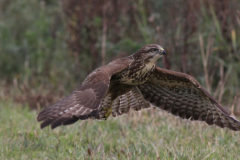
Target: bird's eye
{"x": 152, "y": 50}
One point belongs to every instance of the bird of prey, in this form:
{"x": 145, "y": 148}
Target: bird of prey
{"x": 135, "y": 82}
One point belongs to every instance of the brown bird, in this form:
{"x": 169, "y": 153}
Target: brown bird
{"x": 135, "y": 82}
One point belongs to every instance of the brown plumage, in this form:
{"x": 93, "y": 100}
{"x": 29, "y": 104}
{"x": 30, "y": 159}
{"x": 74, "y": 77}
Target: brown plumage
{"x": 134, "y": 82}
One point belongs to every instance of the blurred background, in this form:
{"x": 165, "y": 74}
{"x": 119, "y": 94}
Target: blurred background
{"x": 48, "y": 47}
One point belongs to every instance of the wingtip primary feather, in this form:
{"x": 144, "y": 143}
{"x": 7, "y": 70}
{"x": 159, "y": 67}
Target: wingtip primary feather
{"x": 40, "y": 118}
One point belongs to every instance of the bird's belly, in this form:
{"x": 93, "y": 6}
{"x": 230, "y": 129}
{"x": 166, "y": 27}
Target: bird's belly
{"x": 138, "y": 77}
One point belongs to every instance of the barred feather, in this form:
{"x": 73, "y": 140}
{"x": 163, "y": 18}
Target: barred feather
{"x": 183, "y": 96}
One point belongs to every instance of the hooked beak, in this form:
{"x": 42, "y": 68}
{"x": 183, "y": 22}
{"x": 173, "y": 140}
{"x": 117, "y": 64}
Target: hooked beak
{"x": 162, "y": 51}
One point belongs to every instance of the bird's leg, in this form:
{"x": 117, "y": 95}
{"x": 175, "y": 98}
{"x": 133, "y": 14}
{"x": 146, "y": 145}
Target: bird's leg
{"x": 108, "y": 111}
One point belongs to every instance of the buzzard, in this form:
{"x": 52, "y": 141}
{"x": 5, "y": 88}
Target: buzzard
{"x": 135, "y": 82}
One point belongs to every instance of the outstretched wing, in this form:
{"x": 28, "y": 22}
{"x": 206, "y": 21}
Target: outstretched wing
{"x": 120, "y": 100}
{"x": 181, "y": 95}
{"x": 84, "y": 101}
{"x": 133, "y": 99}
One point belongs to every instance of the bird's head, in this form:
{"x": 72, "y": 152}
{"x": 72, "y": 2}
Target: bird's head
{"x": 150, "y": 53}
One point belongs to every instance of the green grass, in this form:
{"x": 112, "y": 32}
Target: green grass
{"x": 150, "y": 134}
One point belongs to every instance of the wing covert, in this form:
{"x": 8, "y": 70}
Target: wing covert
{"x": 84, "y": 101}
{"x": 181, "y": 95}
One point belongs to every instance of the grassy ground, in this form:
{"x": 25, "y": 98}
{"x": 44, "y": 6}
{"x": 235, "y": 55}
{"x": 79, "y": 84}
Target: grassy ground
{"x": 144, "y": 135}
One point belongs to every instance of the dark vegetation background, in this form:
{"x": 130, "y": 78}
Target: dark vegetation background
{"x": 48, "y": 47}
